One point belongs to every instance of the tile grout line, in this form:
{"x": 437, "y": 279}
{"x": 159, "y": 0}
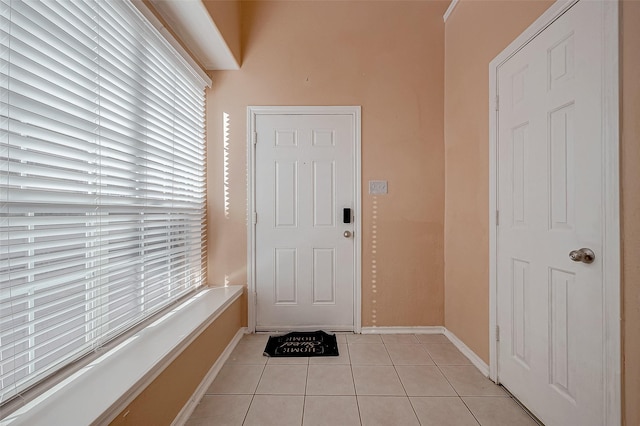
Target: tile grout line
{"x": 244, "y": 419}
{"x": 304, "y": 396}
{"x": 454, "y": 389}
{"x": 253, "y": 397}
{"x": 401, "y": 382}
{"x": 469, "y": 409}
{"x": 355, "y": 391}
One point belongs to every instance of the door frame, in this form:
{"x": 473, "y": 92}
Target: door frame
{"x": 611, "y": 197}
{"x": 355, "y": 113}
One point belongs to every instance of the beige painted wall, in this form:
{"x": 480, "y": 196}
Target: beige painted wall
{"x": 630, "y": 178}
{"x": 163, "y": 399}
{"x": 474, "y": 34}
{"x": 227, "y": 14}
{"x": 386, "y": 57}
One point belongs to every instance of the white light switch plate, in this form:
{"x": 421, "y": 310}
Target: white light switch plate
{"x": 377, "y": 187}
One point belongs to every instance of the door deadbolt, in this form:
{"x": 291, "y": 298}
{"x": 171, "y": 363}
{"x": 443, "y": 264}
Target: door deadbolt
{"x": 583, "y": 255}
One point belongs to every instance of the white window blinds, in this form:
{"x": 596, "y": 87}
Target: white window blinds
{"x": 101, "y": 180}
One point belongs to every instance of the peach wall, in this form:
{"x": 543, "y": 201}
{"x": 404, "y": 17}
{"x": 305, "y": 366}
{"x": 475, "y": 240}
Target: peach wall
{"x": 474, "y": 34}
{"x": 162, "y": 400}
{"x": 386, "y": 57}
{"x": 227, "y": 14}
{"x": 630, "y": 178}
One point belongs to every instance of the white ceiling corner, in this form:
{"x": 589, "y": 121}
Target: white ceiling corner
{"x": 191, "y": 22}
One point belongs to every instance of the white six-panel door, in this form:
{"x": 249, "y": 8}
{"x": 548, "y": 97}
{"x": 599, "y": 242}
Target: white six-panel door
{"x": 550, "y": 200}
{"x": 304, "y": 262}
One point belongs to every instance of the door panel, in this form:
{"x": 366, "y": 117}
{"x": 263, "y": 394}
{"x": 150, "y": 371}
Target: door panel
{"x": 286, "y": 278}
{"x": 286, "y": 197}
{"x": 550, "y": 199}
{"x": 324, "y": 276}
{"x": 304, "y": 264}
{"x": 324, "y": 192}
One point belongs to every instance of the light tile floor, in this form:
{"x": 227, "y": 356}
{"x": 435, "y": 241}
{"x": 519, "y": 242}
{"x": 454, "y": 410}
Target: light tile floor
{"x": 384, "y": 380}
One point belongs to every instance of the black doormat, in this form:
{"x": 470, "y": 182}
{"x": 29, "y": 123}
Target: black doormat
{"x": 302, "y": 343}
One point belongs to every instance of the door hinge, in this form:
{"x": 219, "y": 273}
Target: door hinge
{"x": 255, "y": 298}
{"x": 255, "y": 138}
{"x": 497, "y": 217}
{"x": 255, "y": 218}
{"x": 497, "y": 103}
{"x": 497, "y": 333}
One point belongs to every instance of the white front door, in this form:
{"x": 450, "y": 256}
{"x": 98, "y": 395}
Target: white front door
{"x": 550, "y": 200}
{"x": 304, "y": 258}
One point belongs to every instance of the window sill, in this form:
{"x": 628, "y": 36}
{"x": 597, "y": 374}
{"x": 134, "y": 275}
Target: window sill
{"x": 93, "y": 393}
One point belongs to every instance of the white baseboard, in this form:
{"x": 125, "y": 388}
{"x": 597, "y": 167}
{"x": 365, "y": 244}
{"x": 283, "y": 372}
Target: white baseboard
{"x": 475, "y": 359}
{"x": 190, "y": 406}
{"x": 404, "y": 330}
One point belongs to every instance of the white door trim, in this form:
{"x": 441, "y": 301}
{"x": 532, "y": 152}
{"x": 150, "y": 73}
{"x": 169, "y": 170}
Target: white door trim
{"x": 252, "y": 112}
{"x": 611, "y": 202}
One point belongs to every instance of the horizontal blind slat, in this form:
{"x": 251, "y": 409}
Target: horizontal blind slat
{"x": 102, "y": 181}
